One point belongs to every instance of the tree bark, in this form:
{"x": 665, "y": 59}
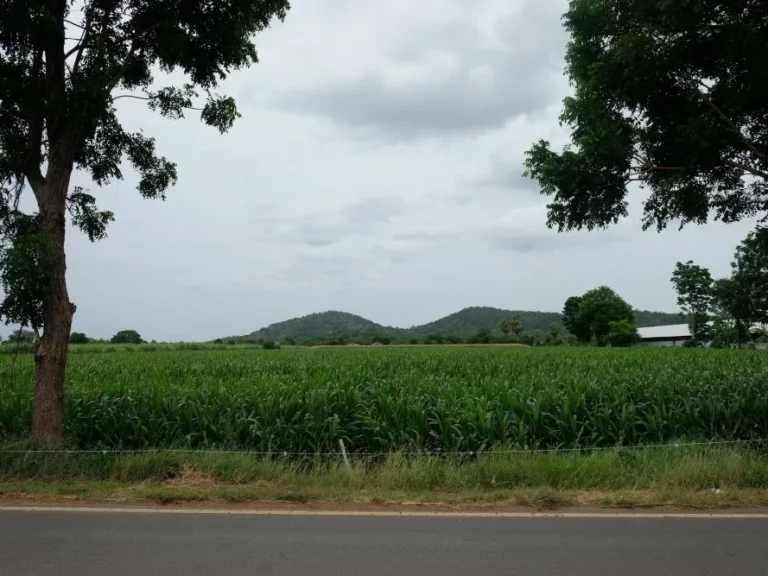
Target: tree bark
{"x": 51, "y": 350}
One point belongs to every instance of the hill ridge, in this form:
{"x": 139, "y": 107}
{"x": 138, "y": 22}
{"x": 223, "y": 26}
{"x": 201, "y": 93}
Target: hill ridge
{"x": 336, "y": 324}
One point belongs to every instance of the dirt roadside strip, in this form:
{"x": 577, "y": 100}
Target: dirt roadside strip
{"x": 650, "y": 514}
{"x": 394, "y": 510}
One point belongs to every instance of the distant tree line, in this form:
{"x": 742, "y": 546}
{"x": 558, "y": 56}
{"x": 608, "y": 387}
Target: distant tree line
{"x": 487, "y": 335}
{"x": 25, "y": 336}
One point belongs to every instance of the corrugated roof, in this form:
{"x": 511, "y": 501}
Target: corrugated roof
{"x": 674, "y": 331}
{"x": 670, "y": 331}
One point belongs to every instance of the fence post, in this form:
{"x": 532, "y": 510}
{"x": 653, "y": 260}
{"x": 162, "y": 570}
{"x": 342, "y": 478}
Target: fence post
{"x": 344, "y": 454}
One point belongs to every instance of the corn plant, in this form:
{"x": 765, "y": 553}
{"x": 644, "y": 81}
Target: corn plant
{"x": 384, "y": 400}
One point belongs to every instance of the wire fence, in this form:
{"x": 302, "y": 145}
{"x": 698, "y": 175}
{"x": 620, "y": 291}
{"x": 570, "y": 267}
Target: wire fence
{"x": 345, "y": 452}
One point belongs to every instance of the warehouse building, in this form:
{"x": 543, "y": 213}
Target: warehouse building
{"x": 676, "y": 334}
{"x": 670, "y": 335}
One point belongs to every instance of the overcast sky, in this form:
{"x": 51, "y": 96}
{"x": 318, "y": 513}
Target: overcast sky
{"x": 377, "y": 169}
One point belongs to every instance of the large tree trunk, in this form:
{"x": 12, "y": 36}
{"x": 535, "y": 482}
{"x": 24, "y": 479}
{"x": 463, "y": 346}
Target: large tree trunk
{"x": 51, "y": 350}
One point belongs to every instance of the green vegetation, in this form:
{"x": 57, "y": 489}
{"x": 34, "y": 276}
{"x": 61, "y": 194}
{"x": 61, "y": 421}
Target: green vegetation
{"x": 589, "y": 317}
{"x": 750, "y": 276}
{"x": 666, "y": 465}
{"x": 711, "y": 476}
{"x": 670, "y": 94}
{"x": 385, "y": 400}
{"x": 728, "y": 311}
{"x": 78, "y": 338}
{"x": 127, "y": 337}
{"x": 20, "y": 337}
{"x": 622, "y": 334}
{"x": 693, "y": 285}
{"x": 64, "y": 65}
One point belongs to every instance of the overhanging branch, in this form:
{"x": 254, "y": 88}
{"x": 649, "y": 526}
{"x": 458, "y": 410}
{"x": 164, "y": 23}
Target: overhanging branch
{"x": 646, "y": 168}
{"x": 32, "y": 155}
{"x": 734, "y": 128}
{"x": 147, "y": 99}
{"x": 82, "y": 44}
{"x": 747, "y": 168}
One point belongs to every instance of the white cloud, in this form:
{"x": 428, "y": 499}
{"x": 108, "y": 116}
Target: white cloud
{"x": 377, "y": 168}
{"x": 450, "y": 78}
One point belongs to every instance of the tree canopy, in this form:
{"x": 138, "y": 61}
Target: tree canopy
{"x": 590, "y": 316}
{"x": 750, "y": 274}
{"x": 126, "y": 337}
{"x": 734, "y": 304}
{"x": 64, "y": 66}
{"x": 671, "y": 95}
{"x": 20, "y": 337}
{"x": 574, "y": 322}
{"x": 622, "y": 334}
{"x": 78, "y": 338}
{"x": 693, "y": 285}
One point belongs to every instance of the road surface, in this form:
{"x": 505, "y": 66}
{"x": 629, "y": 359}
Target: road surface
{"x": 102, "y": 544}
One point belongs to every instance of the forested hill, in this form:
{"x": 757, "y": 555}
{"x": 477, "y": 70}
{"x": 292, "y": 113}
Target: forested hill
{"x": 646, "y": 318}
{"x": 461, "y": 325}
{"x": 467, "y": 322}
{"x": 317, "y": 327}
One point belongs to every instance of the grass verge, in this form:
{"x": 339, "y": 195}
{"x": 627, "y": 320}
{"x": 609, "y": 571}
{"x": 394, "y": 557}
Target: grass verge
{"x": 698, "y": 477}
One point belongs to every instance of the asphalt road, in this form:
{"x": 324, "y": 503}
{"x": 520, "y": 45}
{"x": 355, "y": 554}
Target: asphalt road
{"x": 79, "y": 544}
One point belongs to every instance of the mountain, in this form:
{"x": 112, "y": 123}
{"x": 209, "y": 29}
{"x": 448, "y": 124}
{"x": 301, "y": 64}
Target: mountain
{"x": 467, "y": 322}
{"x": 333, "y": 325}
{"x": 319, "y": 326}
{"x": 646, "y": 319}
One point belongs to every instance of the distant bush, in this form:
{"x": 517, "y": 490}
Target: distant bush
{"x": 126, "y": 337}
{"x": 78, "y": 338}
{"x": 188, "y": 346}
{"x": 20, "y": 337}
{"x": 483, "y": 336}
{"x": 270, "y": 345}
{"x": 622, "y": 334}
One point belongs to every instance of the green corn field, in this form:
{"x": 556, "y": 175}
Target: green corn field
{"x": 450, "y": 399}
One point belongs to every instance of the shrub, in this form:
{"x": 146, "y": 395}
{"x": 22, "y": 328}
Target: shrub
{"x": 622, "y": 334}
{"x": 78, "y": 338}
{"x": 126, "y": 337}
{"x": 20, "y": 337}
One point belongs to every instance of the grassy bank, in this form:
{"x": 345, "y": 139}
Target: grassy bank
{"x": 698, "y": 476}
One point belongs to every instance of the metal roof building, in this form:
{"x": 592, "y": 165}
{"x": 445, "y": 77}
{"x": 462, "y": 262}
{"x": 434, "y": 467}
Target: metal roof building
{"x": 670, "y": 335}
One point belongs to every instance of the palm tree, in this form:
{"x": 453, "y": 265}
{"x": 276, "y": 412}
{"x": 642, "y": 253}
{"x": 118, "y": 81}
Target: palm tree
{"x": 517, "y": 325}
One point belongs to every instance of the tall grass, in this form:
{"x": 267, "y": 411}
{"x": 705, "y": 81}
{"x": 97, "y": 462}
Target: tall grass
{"x": 380, "y": 400}
{"x": 664, "y": 467}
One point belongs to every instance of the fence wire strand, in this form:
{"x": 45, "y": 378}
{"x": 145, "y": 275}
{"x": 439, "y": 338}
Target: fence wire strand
{"x": 352, "y": 454}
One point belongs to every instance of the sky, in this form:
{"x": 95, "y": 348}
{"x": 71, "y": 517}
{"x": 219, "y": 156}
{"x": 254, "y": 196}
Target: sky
{"x": 376, "y": 169}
